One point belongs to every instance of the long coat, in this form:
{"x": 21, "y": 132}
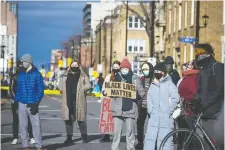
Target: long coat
{"x": 162, "y": 100}
{"x": 81, "y": 103}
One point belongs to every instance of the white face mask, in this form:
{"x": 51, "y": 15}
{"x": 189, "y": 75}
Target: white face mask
{"x": 26, "y": 65}
{"x": 124, "y": 71}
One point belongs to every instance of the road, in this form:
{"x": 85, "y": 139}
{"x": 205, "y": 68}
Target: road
{"x": 53, "y": 127}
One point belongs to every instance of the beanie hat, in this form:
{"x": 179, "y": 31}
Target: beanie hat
{"x": 160, "y": 66}
{"x": 125, "y": 63}
{"x": 169, "y": 60}
{"x": 27, "y": 58}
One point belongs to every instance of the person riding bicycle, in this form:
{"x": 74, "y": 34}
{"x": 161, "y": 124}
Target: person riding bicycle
{"x": 210, "y": 93}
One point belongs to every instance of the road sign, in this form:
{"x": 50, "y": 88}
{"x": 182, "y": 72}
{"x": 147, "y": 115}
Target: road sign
{"x": 187, "y": 39}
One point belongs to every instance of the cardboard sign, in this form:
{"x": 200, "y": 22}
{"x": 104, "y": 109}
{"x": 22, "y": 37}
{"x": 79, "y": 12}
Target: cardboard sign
{"x": 120, "y": 89}
{"x": 106, "y": 123}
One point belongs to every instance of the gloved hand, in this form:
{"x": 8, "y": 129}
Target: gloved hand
{"x": 197, "y": 106}
{"x": 33, "y": 108}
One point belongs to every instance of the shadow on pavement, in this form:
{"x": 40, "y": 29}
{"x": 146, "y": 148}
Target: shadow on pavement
{"x": 56, "y": 146}
{"x": 6, "y": 140}
{"x": 6, "y": 124}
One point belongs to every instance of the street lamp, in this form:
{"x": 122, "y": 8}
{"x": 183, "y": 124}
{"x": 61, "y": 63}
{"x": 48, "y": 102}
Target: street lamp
{"x": 205, "y": 20}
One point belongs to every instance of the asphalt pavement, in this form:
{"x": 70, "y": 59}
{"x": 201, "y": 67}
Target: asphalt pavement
{"x": 53, "y": 127}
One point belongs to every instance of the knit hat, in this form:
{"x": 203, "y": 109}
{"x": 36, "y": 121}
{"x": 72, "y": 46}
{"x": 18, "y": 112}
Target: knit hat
{"x": 125, "y": 63}
{"x": 27, "y": 58}
{"x": 160, "y": 66}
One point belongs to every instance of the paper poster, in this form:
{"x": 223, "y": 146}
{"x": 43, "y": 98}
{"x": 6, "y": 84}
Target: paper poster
{"x": 120, "y": 89}
{"x": 106, "y": 123}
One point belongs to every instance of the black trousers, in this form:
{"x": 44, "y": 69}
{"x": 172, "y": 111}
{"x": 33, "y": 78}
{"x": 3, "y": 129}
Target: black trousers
{"x": 15, "y": 125}
{"x": 140, "y": 124}
{"x": 82, "y": 127}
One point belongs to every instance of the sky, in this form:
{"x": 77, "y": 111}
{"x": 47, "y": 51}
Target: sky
{"x": 43, "y": 26}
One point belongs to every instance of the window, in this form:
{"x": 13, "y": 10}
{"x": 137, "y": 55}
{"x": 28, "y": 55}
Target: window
{"x": 134, "y": 23}
{"x": 170, "y": 19}
{"x": 180, "y": 14}
{"x": 192, "y": 12}
{"x": 185, "y": 15}
{"x": 13, "y": 8}
{"x": 174, "y": 17}
{"x": 191, "y": 52}
{"x": 136, "y": 68}
{"x": 185, "y": 53}
{"x": 136, "y": 46}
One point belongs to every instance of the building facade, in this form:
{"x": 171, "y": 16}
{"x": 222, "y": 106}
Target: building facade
{"x": 111, "y": 39}
{"x": 202, "y": 20}
{"x": 8, "y": 36}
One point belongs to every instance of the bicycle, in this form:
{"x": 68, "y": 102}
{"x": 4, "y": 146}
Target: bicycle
{"x": 190, "y": 134}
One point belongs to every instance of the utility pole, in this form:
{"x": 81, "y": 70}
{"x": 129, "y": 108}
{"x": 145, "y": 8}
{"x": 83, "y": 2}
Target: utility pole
{"x": 100, "y": 43}
{"x": 152, "y": 29}
{"x": 197, "y": 21}
{"x": 126, "y": 28}
{"x": 111, "y": 26}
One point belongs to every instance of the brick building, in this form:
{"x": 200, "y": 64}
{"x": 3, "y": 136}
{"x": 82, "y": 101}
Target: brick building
{"x": 137, "y": 39}
{"x": 183, "y": 18}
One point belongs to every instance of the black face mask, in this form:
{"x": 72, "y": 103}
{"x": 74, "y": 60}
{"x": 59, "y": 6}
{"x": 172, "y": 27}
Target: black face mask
{"x": 116, "y": 70}
{"x": 75, "y": 69}
{"x": 158, "y": 75}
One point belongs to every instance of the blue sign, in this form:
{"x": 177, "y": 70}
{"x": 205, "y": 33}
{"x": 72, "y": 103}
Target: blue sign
{"x": 187, "y": 39}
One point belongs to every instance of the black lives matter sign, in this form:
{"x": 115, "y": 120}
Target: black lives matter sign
{"x": 120, "y": 89}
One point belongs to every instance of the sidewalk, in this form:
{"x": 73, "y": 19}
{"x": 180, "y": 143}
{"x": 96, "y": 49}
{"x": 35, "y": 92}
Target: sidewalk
{"x": 4, "y": 101}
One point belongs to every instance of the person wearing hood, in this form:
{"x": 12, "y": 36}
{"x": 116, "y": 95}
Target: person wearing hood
{"x": 187, "y": 90}
{"x": 14, "y": 107}
{"x": 126, "y": 109}
{"x": 162, "y": 100}
{"x": 210, "y": 93}
{"x": 110, "y": 77}
{"x": 169, "y": 69}
{"x": 29, "y": 93}
{"x": 73, "y": 85}
{"x": 147, "y": 70}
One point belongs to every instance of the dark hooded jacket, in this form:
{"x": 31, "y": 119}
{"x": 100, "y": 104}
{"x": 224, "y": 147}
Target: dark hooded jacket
{"x": 210, "y": 91}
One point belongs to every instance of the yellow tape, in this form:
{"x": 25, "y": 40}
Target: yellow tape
{"x": 47, "y": 92}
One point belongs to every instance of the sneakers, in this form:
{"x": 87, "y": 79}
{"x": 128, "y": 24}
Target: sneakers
{"x": 14, "y": 142}
{"x": 32, "y": 141}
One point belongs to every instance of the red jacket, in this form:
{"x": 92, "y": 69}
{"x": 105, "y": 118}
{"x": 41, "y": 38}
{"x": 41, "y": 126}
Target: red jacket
{"x": 188, "y": 86}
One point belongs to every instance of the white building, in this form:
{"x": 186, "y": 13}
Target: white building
{"x": 96, "y": 11}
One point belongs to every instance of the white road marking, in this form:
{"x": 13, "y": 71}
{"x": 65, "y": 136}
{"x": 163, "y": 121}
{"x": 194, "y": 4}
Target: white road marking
{"x": 49, "y": 110}
{"x": 61, "y": 118}
{"x": 43, "y": 106}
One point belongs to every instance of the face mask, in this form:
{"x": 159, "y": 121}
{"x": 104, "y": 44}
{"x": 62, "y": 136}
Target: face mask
{"x": 74, "y": 69}
{"x": 202, "y": 57}
{"x": 169, "y": 67}
{"x": 146, "y": 73}
{"x": 26, "y": 65}
{"x": 158, "y": 76}
{"x": 116, "y": 70}
{"x": 124, "y": 72}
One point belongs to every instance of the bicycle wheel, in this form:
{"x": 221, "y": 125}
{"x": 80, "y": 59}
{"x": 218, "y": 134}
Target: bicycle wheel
{"x": 193, "y": 142}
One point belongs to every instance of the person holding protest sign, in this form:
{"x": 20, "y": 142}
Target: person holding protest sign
{"x": 147, "y": 70}
{"x": 74, "y": 85}
{"x": 124, "y": 106}
{"x": 162, "y": 100}
{"x": 110, "y": 77}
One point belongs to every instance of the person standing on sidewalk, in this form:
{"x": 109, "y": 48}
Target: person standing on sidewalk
{"x": 74, "y": 85}
{"x": 14, "y": 107}
{"x": 108, "y": 78}
{"x": 147, "y": 70}
{"x": 169, "y": 62}
{"x": 29, "y": 92}
{"x": 126, "y": 109}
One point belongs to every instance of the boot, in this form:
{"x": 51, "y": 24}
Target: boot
{"x": 105, "y": 138}
{"x": 68, "y": 140}
{"x": 84, "y": 137}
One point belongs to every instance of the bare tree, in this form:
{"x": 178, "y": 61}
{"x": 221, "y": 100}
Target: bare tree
{"x": 146, "y": 17}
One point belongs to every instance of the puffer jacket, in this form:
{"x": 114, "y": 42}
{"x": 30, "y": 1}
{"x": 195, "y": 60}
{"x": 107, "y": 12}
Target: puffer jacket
{"x": 30, "y": 86}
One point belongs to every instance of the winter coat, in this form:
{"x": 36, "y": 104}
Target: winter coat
{"x": 210, "y": 91}
{"x": 162, "y": 100}
{"x": 188, "y": 89}
{"x": 174, "y": 76}
{"x": 30, "y": 86}
{"x": 81, "y": 103}
{"x": 12, "y": 85}
{"x": 117, "y": 102}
